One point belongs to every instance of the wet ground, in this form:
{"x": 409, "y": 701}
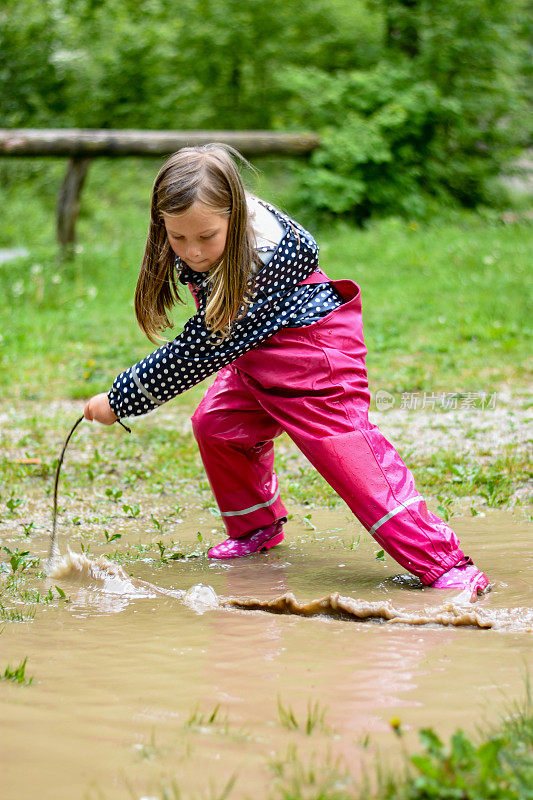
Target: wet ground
{"x": 144, "y": 681}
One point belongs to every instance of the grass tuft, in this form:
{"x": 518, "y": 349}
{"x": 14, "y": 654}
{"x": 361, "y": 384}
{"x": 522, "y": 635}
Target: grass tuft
{"x": 315, "y": 718}
{"x": 17, "y": 675}
{"x": 201, "y": 719}
{"x": 319, "y": 779}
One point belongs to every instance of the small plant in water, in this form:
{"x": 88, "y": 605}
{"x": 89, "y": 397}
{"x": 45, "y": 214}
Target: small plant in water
{"x": 315, "y": 718}
{"x": 380, "y": 556}
{"x": 27, "y": 527}
{"x": 18, "y": 559}
{"x": 499, "y": 767}
{"x": 445, "y": 507}
{"x": 286, "y": 717}
{"x": 177, "y": 511}
{"x": 14, "y": 615}
{"x": 316, "y": 780}
{"x": 14, "y": 502}
{"x": 354, "y": 544}
{"x": 212, "y": 509}
{"x": 307, "y": 521}
{"x": 151, "y": 750}
{"x": 132, "y": 511}
{"x": 166, "y": 554}
{"x": 496, "y": 491}
{"x": 171, "y": 555}
{"x": 203, "y": 719}
{"x": 135, "y": 475}
{"x": 396, "y": 725}
{"x": 113, "y": 537}
{"x": 157, "y": 524}
{"x": 447, "y": 772}
{"x": 17, "y": 675}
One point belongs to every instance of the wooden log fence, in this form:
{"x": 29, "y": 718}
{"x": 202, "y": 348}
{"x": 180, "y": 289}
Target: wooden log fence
{"x": 80, "y": 146}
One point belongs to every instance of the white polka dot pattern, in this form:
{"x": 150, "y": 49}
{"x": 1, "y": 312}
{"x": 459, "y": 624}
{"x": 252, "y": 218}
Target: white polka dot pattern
{"x": 196, "y": 354}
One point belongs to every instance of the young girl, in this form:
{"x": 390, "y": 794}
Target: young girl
{"x": 288, "y": 347}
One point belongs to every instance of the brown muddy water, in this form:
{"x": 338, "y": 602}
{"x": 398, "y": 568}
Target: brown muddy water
{"x": 148, "y": 679}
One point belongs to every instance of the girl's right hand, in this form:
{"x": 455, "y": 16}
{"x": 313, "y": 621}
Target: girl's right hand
{"x": 98, "y": 408}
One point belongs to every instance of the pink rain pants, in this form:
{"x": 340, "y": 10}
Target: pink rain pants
{"x": 311, "y": 382}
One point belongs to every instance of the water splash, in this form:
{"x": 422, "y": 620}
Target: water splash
{"x": 201, "y": 598}
{"x": 457, "y": 612}
{"x": 111, "y": 579}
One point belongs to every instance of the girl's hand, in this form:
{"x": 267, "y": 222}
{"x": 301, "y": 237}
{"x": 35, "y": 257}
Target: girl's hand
{"x": 98, "y": 408}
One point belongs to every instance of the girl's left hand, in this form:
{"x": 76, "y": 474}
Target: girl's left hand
{"x": 98, "y": 408}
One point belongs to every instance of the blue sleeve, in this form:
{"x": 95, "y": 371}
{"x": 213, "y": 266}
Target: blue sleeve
{"x": 196, "y": 353}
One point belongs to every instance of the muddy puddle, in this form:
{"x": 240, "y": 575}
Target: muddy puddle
{"x": 193, "y": 673}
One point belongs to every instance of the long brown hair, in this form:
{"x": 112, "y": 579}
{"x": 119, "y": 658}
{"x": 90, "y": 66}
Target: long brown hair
{"x": 205, "y": 174}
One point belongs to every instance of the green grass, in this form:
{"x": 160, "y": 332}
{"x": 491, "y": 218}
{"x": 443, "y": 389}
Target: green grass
{"x": 493, "y": 481}
{"x": 444, "y": 301}
{"x": 495, "y": 766}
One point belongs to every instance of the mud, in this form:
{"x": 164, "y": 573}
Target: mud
{"x": 157, "y": 675}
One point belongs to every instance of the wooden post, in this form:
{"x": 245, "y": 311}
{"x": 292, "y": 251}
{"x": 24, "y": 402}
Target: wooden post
{"x": 82, "y": 145}
{"x": 116, "y": 143}
{"x": 68, "y": 204}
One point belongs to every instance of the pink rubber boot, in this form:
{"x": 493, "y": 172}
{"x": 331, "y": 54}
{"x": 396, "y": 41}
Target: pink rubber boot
{"x": 467, "y": 578}
{"x": 261, "y": 539}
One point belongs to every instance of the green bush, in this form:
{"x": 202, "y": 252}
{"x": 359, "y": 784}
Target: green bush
{"x": 31, "y": 86}
{"x": 417, "y": 101}
{"x": 437, "y": 117}
{"x": 377, "y": 127}
{"x": 160, "y": 64}
{"x": 500, "y": 768}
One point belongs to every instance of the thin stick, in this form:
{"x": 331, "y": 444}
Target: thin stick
{"x": 124, "y": 426}
{"x": 56, "y": 484}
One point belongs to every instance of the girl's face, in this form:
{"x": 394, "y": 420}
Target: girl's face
{"x": 197, "y": 236}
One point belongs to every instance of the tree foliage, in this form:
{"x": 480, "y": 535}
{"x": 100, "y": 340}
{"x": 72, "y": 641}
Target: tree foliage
{"x": 437, "y": 116}
{"x": 157, "y": 64}
{"x": 413, "y": 98}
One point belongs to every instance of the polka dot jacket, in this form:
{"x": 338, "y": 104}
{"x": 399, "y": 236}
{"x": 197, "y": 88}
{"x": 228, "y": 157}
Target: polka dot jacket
{"x": 195, "y": 354}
